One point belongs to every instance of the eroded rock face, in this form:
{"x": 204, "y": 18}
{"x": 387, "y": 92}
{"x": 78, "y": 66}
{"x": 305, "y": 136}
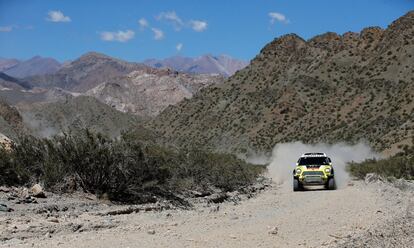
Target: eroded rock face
{"x": 146, "y": 94}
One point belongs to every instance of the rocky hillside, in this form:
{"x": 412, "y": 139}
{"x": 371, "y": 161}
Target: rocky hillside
{"x": 75, "y": 114}
{"x": 34, "y": 66}
{"x": 11, "y": 122}
{"x": 18, "y": 92}
{"x": 350, "y": 87}
{"x": 8, "y": 83}
{"x": 207, "y": 64}
{"x": 146, "y": 93}
{"x": 86, "y": 72}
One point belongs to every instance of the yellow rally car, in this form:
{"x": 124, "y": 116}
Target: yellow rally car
{"x": 313, "y": 169}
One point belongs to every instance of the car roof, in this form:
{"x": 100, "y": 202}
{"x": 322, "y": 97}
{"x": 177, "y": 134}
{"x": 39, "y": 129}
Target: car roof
{"x": 313, "y": 154}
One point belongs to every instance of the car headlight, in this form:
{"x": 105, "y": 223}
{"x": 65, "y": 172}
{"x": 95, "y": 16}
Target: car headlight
{"x": 328, "y": 170}
{"x": 298, "y": 171}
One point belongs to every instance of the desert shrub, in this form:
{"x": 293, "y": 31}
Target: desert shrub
{"x": 10, "y": 174}
{"x": 400, "y": 165}
{"x": 124, "y": 169}
{"x": 207, "y": 169}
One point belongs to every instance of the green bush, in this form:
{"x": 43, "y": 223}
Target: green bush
{"x": 124, "y": 169}
{"x": 400, "y": 165}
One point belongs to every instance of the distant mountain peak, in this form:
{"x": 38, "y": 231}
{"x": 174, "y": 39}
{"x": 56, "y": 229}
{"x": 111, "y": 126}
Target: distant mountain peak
{"x": 204, "y": 64}
{"x": 36, "y": 65}
{"x": 94, "y": 55}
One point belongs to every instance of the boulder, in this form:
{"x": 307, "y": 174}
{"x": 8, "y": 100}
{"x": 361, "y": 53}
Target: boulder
{"x": 37, "y": 191}
{"x": 4, "y": 208}
{"x": 274, "y": 230}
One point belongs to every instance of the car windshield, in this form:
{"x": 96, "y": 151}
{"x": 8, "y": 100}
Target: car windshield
{"x": 313, "y": 161}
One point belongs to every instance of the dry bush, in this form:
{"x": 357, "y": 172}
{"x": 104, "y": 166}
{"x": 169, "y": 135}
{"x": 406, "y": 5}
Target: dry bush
{"x": 400, "y": 165}
{"x": 124, "y": 169}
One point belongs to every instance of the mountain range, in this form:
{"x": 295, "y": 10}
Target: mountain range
{"x": 134, "y": 88}
{"x": 84, "y": 73}
{"x": 330, "y": 88}
{"x": 206, "y": 64}
{"x": 34, "y": 66}
{"x": 128, "y": 87}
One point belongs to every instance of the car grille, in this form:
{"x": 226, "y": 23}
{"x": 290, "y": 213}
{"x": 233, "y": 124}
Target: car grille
{"x": 313, "y": 179}
{"x": 313, "y": 173}
{"x": 313, "y": 176}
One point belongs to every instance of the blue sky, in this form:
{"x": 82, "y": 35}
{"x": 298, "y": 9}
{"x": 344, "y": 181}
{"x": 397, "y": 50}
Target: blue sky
{"x": 141, "y": 29}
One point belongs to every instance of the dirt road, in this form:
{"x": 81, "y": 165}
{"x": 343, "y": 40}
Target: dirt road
{"x": 277, "y": 217}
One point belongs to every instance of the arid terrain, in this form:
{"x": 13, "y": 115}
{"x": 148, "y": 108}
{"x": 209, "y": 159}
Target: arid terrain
{"x": 330, "y": 88}
{"x": 363, "y": 214}
{"x": 101, "y": 151}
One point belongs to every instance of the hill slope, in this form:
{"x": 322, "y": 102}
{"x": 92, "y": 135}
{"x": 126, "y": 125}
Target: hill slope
{"x": 74, "y": 114}
{"x": 146, "y": 93}
{"x": 207, "y": 64}
{"x": 7, "y": 83}
{"x": 330, "y": 88}
{"x": 11, "y": 122}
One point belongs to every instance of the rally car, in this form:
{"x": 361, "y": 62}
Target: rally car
{"x": 313, "y": 169}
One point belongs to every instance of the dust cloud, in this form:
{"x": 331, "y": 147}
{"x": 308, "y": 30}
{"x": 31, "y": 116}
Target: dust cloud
{"x": 38, "y": 127}
{"x": 258, "y": 158}
{"x": 285, "y": 156}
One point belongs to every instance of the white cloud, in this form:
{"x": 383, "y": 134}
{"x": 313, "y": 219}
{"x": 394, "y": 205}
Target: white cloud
{"x": 179, "y": 47}
{"x": 6, "y": 29}
{"x": 275, "y": 16}
{"x": 158, "y": 34}
{"x": 178, "y": 23}
{"x": 121, "y": 36}
{"x": 171, "y": 17}
{"x": 57, "y": 16}
{"x": 143, "y": 23}
{"x": 198, "y": 26}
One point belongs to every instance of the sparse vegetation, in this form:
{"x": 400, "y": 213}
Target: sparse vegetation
{"x": 124, "y": 169}
{"x": 400, "y": 165}
{"x": 333, "y": 95}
